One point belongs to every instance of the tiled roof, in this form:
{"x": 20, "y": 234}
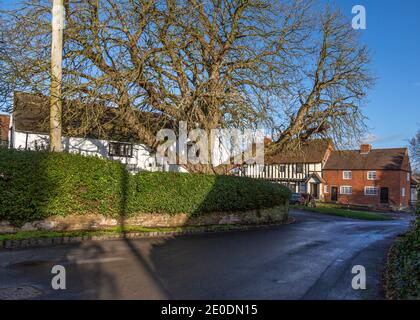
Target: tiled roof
{"x": 311, "y": 151}
{"x": 376, "y": 159}
{"x": 31, "y": 114}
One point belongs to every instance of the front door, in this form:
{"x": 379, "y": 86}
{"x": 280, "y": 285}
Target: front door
{"x": 314, "y": 190}
{"x": 334, "y": 193}
{"x": 384, "y": 195}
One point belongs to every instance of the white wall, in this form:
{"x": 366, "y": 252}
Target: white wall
{"x": 141, "y": 160}
{"x": 273, "y": 171}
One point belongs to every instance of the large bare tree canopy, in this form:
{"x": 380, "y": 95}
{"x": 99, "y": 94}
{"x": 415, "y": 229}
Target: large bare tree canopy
{"x": 289, "y": 66}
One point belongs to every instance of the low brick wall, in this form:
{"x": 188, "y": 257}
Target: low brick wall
{"x": 277, "y": 214}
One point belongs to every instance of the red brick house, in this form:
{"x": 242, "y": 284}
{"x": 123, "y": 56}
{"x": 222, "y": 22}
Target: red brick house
{"x": 371, "y": 177}
{"x": 4, "y": 129}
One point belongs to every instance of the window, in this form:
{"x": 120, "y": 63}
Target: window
{"x": 282, "y": 168}
{"x": 119, "y": 149}
{"x": 346, "y": 190}
{"x": 299, "y": 168}
{"x": 347, "y": 175}
{"x": 371, "y": 191}
{"x": 371, "y": 175}
{"x": 403, "y": 192}
{"x": 408, "y": 176}
{"x": 326, "y": 189}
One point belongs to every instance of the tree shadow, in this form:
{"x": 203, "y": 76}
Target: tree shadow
{"x": 125, "y": 268}
{"x": 177, "y": 264}
{"x": 138, "y": 255}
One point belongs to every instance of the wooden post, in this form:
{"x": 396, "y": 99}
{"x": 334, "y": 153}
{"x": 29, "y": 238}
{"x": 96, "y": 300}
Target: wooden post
{"x": 56, "y": 75}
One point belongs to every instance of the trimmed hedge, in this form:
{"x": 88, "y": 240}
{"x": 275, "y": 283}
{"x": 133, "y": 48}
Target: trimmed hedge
{"x": 35, "y": 185}
{"x": 197, "y": 193}
{"x": 403, "y": 267}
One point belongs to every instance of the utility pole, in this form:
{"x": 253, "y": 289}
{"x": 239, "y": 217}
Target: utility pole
{"x": 56, "y": 75}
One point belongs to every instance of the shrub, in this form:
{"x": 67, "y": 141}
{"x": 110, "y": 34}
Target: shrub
{"x": 197, "y": 193}
{"x": 403, "y": 267}
{"x": 36, "y": 185}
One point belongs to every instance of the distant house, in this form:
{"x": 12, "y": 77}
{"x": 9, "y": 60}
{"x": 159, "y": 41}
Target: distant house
{"x": 300, "y": 169}
{"x": 372, "y": 177}
{"x": 4, "y": 129}
{"x": 108, "y": 136}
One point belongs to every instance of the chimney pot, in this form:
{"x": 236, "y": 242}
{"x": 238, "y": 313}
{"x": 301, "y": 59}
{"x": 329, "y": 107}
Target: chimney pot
{"x": 365, "y": 148}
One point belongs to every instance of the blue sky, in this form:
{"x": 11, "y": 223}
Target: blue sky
{"x": 393, "y": 36}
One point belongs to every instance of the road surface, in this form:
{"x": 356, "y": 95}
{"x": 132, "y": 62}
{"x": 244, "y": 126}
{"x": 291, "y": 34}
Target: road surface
{"x": 309, "y": 259}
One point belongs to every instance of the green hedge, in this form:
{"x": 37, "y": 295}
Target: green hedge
{"x": 36, "y": 185}
{"x": 196, "y": 193}
{"x": 403, "y": 267}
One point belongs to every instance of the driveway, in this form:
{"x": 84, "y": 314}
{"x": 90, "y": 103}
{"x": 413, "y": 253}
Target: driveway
{"x": 310, "y": 259}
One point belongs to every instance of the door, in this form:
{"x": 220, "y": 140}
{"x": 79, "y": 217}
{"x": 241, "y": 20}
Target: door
{"x": 384, "y": 195}
{"x": 314, "y": 190}
{"x": 334, "y": 193}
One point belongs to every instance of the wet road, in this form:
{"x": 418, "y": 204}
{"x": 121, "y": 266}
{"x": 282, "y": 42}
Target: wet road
{"x": 310, "y": 259}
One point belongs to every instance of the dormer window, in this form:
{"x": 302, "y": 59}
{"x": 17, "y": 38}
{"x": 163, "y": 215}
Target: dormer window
{"x": 347, "y": 175}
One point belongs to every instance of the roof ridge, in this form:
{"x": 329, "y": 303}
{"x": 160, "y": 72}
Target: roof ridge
{"x": 373, "y": 149}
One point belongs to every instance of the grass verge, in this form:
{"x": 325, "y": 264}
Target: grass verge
{"x": 23, "y": 235}
{"x": 402, "y": 270}
{"x": 353, "y": 214}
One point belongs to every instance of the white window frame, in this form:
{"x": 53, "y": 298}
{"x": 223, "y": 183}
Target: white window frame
{"x": 368, "y": 175}
{"x": 403, "y": 192}
{"x": 344, "y": 175}
{"x": 371, "y": 188}
{"x": 120, "y": 149}
{"x": 346, "y": 193}
{"x": 326, "y": 189}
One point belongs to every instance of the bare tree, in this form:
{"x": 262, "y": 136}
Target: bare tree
{"x": 332, "y": 84}
{"x": 415, "y": 151}
{"x": 212, "y": 63}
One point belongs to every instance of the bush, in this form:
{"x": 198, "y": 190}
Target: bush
{"x": 403, "y": 267}
{"x": 197, "y": 193}
{"x": 36, "y": 185}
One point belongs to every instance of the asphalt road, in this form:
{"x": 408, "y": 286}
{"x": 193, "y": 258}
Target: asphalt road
{"x": 310, "y": 259}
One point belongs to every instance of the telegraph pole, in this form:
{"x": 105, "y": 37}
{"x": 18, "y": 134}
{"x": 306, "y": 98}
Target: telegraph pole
{"x": 56, "y": 75}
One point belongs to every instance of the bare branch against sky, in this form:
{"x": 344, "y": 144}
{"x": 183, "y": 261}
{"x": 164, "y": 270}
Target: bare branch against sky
{"x": 287, "y": 66}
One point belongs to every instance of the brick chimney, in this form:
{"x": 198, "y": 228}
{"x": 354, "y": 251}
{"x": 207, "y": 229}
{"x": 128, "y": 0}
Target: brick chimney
{"x": 365, "y": 148}
{"x": 4, "y": 127}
